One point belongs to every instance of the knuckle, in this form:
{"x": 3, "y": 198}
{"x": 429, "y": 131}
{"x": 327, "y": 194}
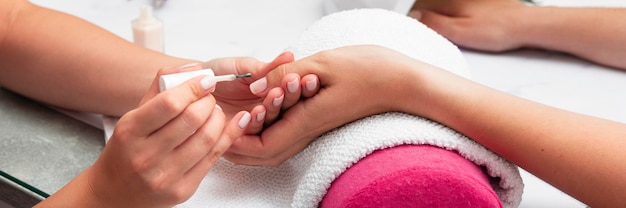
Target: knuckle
{"x": 170, "y": 104}
{"x": 180, "y": 194}
{"x": 217, "y": 152}
{"x": 138, "y": 166}
{"x": 208, "y": 140}
{"x": 192, "y": 119}
{"x": 163, "y": 71}
{"x": 155, "y": 183}
{"x": 122, "y": 133}
{"x": 196, "y": 89}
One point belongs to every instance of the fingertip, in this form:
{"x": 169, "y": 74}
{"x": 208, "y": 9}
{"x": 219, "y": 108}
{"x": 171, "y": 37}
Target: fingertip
{"x": 276, "y": 102}
{"x": 292, "y": 81}
{"x": 244, "y": 120}
{"x": 311, "y": 85}
{"x": 259, "y": 86}
{"x": 237, "y": 125}
{"x": 260, "y": 113}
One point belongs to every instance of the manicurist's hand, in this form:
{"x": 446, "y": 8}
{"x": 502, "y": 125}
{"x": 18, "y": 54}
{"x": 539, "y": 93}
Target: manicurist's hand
{"x": 502, "y": 25}
{"x": 355, "y": 82}
{"x": 489, "y": 25}
{"x": 159, "y": 151}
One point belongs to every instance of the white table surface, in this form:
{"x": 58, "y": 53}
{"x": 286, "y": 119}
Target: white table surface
{"x": 207, "y": 29}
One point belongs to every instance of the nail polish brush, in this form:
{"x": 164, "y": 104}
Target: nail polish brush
{"x": 170, "y": 81}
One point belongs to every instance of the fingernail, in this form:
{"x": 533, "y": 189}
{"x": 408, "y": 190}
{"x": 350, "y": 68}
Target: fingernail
{"x": 189, "y": 65}
{"x": 292, "y": 86}
{"x": 311, "y": 84}
{"x": 245, "y": 119}
{"x": 258, "y": 86}
{"x": 279, "y": 100}
{"x": 260, "y": 116}
{"x": 218, "y": 107}
{"x": 207, "y": 83}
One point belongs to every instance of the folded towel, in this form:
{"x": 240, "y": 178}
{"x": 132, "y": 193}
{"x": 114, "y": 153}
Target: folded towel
{"x": 302, "y": 181}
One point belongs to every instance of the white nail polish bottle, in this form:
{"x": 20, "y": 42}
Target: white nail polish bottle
{"x": 148, "y": 30}
{"x": 170, "y": 81}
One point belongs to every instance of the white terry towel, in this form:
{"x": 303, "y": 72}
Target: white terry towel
{"x": 303, "y": 180}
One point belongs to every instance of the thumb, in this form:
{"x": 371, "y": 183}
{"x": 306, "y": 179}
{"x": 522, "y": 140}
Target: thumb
{"x": 283, "y": 58}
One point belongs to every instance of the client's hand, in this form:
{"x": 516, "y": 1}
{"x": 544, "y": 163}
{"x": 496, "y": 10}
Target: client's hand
{"x": 160, "y": 151}
{"x": 489, "y": 25}
{"x": 355, "y": 82}
{"x": 236, "y": 96}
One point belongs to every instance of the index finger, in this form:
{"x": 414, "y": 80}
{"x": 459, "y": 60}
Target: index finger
{"x": 167, "y": 105}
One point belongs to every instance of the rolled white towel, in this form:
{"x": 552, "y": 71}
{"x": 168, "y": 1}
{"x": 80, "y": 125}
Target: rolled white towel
{"x": 400, "y": 6}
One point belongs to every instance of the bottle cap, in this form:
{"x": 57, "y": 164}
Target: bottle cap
{"x": 145, "y": 16}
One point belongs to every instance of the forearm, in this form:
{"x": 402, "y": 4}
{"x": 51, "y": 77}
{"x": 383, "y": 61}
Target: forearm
{"x": 67, "y": 62}
{"x": 581, "y": 155}
{"x": 595, "y": 34}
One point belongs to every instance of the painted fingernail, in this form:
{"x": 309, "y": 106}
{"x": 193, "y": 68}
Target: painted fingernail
{"x": 189, "y": 65}
{"x": 260, "y": 116}
{"x": 208, "y": 83}
{"x": 245, "y": 119}
{"x": 258, "y": 86}
{"x": 292, "y": 86}
{"x": 279, "y": 100}
{"x": 218, "y": 107}
{"x": 311, "y": 84}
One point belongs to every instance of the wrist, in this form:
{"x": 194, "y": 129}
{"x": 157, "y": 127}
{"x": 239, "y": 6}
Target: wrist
{"x": 422, "y": 92}
{"x": 521, "y": 20}
{"x": 536, "y": 26}
{"x": 77, "y": 193}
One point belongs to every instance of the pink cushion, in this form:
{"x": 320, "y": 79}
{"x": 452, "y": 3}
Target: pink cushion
{"x": 412, "y": 176}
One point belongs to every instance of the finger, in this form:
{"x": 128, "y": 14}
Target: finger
{"x": 187, "y": 124}
{"x": 292, "y": 90}
{"x": 310, "y": 85}
{"x": 273, "y": 103}
{"x": 274, "y": 160}
{"x": 233, "y": 130}
{"x": 192, "y": 178}
{"x": 196, "y": 146}
{"x": 283, "y": 58}
{"x": 271, "y": 144}
{"x": 167, "y": 105}
{"x": 302, "y": 122}
{"x": 248, "y": 65}
{"x": 258, "y": 114}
